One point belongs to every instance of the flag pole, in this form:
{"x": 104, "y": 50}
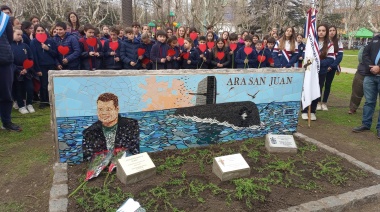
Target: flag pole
{"x": 309, "y": 110}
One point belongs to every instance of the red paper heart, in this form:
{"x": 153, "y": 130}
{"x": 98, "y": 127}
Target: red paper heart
{"x": 63, "y": 50}
{"x": 91, "y": 42}
{"x": 233, "y": 46}
{"x": 186, "y": 55}
{"x": 270, "y": 60}
{"x": 27, "y": 64}
{"x": 261, "y": 58}
{"x": 145, "y": 61}
{"x": 171, "y": 52}
{"x": 114, "y": 45}
{"x": 247, "y": 50}
{"x": 140, "y": 51}
{"x": 202, "y": 47}
{"x": 220, "y": 55}
{"x": 193, "y": 35}
{"x": 41, "y": 37}
{"x": 210, "y": 45}
{"x": 102, "y": 42}
{"x": 181, "y": 41}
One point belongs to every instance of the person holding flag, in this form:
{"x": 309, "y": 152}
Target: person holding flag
{"x": 6, "y": 73}
{"x": 325, "y": 57}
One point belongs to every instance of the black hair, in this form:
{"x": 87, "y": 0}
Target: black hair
{"x": 25, "y": 25}
{"x": 248, "y": 37}
{"x": 202, "y": 38}
{"x": 88, "y": 26}
{"x": 161, "y": 32}
{"x": 5, "y": 7}
{"x": 61, "y": 24}
{"x": 233, "y": 36}
{"x": 171, "y": 39}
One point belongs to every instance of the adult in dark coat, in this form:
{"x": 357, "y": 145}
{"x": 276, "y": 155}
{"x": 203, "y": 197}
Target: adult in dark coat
{"x": 111, "y": 131}
{"x": 6, "y": 73}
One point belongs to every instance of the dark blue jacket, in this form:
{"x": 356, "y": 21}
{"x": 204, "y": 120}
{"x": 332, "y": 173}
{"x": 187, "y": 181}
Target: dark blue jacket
{"x": 21, "y": 52}
{"x": 193, "y": 57}
{"x": 173, "y": 63}
{"x": 233, "y": 56}
{"x": 225, "y": 60}
{"x": 43, "y": 57}
{"x": 204, "y": 64}
{"x": 73, "y": 56}
{"x": 6, "y": 55}
{"x": 159, "y": 51}
{"x": 137, "y": 39}
{"x": 109, "y": 60}
{"x": 26, "y": 38}
{"x": 338, "y": 56}
{"x": 88, "y": 62}
{"x": 266, "y": 54}
{"x": 128, "y": 53}
{"x": 280, "y": 59}
{"x": 148, "y": 49}
{"x": 241, "y": 56}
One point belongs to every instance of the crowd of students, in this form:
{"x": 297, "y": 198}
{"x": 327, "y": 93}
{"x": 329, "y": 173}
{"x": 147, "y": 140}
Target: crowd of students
{"x": 71, "y": 46}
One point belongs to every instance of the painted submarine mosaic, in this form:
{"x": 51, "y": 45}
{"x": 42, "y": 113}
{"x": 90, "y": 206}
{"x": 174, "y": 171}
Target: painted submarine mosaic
{"x": 177, "y": 111}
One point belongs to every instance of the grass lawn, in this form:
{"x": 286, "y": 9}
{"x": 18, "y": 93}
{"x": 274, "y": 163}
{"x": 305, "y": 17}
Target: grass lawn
{"x": 348, "y": 60}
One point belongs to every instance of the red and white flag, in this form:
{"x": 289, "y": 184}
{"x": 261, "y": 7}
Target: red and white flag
{"x": 311, "y": 81}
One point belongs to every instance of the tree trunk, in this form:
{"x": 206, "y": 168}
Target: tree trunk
{"x": 126, "y": 13}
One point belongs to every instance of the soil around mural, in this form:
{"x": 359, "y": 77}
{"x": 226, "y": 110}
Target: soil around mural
{"x": 185, "y": 182}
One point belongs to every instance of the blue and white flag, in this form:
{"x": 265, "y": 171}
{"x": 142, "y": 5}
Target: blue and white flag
{"x": 311, "y": 81}
{"x": 4, "y": 18}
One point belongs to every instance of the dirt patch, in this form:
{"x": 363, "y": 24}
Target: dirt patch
{"x": 27, "y": 188}
{"x": 185, "y": 181}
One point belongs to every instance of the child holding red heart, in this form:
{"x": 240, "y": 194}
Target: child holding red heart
{"x": 23, "y": 70}
{"x": 245, "y": 57}
{"x": 159, "y": 51}
{"x": 204, "y": 54}
{"x": 92, "y": 50}
{"x": 130, "y": 54}
{"x": 190, "y": 55}
{"x": 45, "y": 54}
{"x": 262, "y": 55}
{"x": 220, "y": 57}
{"x": 173, "y": 53}
{"x": 233, "y": 47}
{"x": 69, "y": 59}
{"x": 112, "y": 50}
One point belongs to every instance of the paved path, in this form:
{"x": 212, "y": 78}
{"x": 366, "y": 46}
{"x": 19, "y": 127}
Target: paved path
{"x": 348, "y": 70}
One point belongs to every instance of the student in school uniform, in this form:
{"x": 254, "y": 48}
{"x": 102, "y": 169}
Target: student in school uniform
{"x": 172, "y": 61}
{"x": 220, "y": 49}
{"x": 91, "y": 56}
{"x": 204, "y": 62}
{"x": 147, "y": 44}
{"x": 285, "y": 52}
{"x": 128, "y": 53}
{"x": 190, "y": 57}
{"x": 112, "y": 60}
{"x": 45, "y": 59}
{"x": 22, "y": 77}
{"x": 159, "y": 51}
{"x": 242, "y": 59}
{"x": 261, "y": 54}
{"x": 70, "y": 61}
{"x": 233, "y": 48}
{"x": 301, "y": 49}
{"x": 269, "y": 49}
{"x": 327, "y": 56}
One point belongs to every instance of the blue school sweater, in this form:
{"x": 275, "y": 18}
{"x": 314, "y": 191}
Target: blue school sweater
{"x": 128, "y": 53}
{"x": 21, "y": 52}
{"x": 225, "y": 60}
{"x": 173, "y": 64}
{"x": 241, "y": 56}
{"x": 194, "y": 57}
{"x": 109, "y": 61}
{"x": 88, "y": 62}
{"x": 159, "y": 51}
{"x": 204, "y": 64}
{"x": 43, "y": 57}
{"x": 73, "y": 56}
{"x": 265, "y": 63}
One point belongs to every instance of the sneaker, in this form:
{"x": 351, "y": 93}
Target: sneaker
{"x": 304, "y": 116}
{"x": 12, "y": 127}
{"x": 313, "y": 117}
{"x": 23, "y": 110}
{"x": 324, "y": 107}
{"x": 30, "y": 108}
{"x": 319, "y": 106}
{"x": 351, "y": 111}
{"x": 15, "y": 105}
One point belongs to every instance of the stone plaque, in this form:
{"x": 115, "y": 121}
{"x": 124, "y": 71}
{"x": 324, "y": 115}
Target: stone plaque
{"x": 280, "y": 143}
{"x": 135, "y": 168}
{"x": 230, "y": 166}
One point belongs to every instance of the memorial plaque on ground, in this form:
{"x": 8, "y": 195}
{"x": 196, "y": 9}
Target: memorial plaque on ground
{"x": 135, "y": 168}
{"x": 280, "y": 143}
{"x": 230, "y": 166}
